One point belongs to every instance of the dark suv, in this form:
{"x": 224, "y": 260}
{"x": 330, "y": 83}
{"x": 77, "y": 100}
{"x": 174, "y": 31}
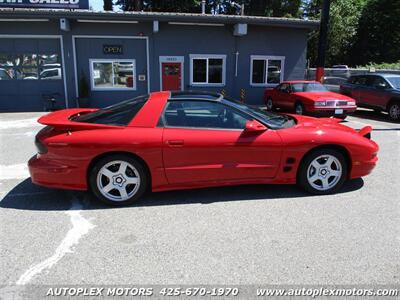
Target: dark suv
{"x": 380, "y": 92}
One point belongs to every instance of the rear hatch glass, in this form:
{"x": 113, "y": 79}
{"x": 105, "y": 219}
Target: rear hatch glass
{"x": 119, "y": 114}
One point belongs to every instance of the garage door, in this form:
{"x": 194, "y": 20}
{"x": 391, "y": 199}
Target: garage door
{"x": 30, "y": 72}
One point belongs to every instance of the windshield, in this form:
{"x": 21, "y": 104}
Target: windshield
{"x": 273, "y": 120}
{"x": 118, "y": 114}
{"x": 395, "y": 81}
{"x": 308, "y": 87}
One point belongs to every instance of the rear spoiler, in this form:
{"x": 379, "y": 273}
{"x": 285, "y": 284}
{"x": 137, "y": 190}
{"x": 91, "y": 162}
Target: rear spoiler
{"x": 365, "y": 132}
{"x": 62, "y": 119}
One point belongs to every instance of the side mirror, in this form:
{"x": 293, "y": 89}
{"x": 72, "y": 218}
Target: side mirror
{"x": 254, "y": 126}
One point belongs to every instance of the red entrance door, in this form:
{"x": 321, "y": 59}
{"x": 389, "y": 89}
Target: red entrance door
{"x": 171, "y": 76}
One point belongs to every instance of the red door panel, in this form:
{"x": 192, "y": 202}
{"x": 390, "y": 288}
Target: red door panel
{"x": 171, "y": 76}
{"x": 219, "y": 155}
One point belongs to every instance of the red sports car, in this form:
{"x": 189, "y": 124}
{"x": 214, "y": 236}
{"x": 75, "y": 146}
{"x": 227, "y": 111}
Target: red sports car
{"x": 308, "y": 97}
{"x": 182, "y": 140}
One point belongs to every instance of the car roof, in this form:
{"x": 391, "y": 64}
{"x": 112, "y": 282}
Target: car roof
{"x": 299, "y": 81}
{"x": 376, "y": 74}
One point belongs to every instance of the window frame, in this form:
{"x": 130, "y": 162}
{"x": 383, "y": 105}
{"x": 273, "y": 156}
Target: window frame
{"x": 207, "y": 57}
{"x": 92, "y": 61}
{"x": 162, "y": 122}
{"x": 266, "y": 59}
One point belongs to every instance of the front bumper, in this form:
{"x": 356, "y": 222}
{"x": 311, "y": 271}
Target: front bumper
{"x": 363, "y": 168}
{"x": 331, "y": 111}
{"x": 54, "y": 174}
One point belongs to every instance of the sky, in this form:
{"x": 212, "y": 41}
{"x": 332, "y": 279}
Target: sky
{"x": 96, "y": 4}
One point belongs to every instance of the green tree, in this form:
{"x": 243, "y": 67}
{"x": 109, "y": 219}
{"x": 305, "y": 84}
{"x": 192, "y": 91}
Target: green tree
{"x": 274, "y": 8}
{"x": 130, "y": 5}
{"x": 108, "y": 5}
{"x": 182, "y": 6}
{"x": 343, "y": 23}
{"x": 378, "y": 33}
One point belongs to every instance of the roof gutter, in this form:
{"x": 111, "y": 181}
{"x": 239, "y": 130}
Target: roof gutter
{"x": 161, "y": 17}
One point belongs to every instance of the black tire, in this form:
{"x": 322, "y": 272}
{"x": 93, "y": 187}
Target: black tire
{"x": 141, "y": 173}
{"x": 302, "y": 175}
{"x": 299, "y": 107}
{"x": 394, "y": 111}
{"x": 270, "y": 104}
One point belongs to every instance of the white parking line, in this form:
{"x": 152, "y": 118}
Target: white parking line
{"x": 17, "y": 171}
{"x": 21, "y": 123}
{"x": 80, "y": 227}
{"x": 374, "y": 125}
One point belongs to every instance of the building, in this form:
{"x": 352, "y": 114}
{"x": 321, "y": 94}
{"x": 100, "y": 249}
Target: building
{"x": 121, "y": 55}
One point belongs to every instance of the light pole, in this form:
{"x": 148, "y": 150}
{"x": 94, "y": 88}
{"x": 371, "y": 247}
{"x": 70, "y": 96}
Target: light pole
{"x": 323, "y": 39}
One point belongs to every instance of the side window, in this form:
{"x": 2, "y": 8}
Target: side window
{"x": 284, "y": 87}
{"x": 266, "y": 70}
{"x": 352, "y": 79}
{"x": 380, "y": 83}
{"x": 361, "y": 80}
{"x": 207, "y": 70}
{"x": 202, "y": 114}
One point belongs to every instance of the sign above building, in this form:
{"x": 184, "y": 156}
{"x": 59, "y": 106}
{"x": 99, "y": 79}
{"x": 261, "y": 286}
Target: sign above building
{"x": 54, "y": 4}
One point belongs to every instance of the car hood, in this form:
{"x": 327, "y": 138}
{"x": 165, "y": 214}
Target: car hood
{"x": 323, "y": 96}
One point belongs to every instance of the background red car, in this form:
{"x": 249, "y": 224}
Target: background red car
{"x": 308, "y": 97}
{"x": 167, "y": 140}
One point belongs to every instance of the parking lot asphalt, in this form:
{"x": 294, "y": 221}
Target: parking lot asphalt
{"x": 232, "y": 235}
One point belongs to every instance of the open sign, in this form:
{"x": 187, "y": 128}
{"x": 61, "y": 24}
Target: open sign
{"x": 113, "y": 49}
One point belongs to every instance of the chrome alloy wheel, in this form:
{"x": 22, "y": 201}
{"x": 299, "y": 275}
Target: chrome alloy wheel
{"x": 394, "y": 111}
{"x": 118, "y": 180}
{"x": 324, "y": 172}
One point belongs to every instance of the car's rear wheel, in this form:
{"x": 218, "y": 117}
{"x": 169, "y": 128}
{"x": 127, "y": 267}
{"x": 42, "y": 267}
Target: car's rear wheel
{"x": 118, "y": 179}
{"x": 299, "y": 108}
{"x": 322, "y": 172}
{"x": 394, "y": 111}
{"x": 270, "y": 104}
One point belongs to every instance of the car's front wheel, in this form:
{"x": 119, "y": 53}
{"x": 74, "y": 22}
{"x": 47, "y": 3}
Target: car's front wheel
{"x": 322, "y": 172}
{"x": 118, "y": 179}
{"x": 394, "y": 111}
{"x": 299, "y": 108}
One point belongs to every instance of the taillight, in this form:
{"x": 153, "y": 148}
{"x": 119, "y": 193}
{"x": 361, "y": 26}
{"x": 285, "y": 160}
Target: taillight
{"x": 41, "y": 148}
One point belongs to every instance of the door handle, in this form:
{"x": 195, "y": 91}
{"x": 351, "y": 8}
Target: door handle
{"x": 175, "y": 143}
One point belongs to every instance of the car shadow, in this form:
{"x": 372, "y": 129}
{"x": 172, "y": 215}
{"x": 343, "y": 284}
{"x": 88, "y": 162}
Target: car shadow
{"x": 26, "y": 196}
{"x": 372, "y": 115}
